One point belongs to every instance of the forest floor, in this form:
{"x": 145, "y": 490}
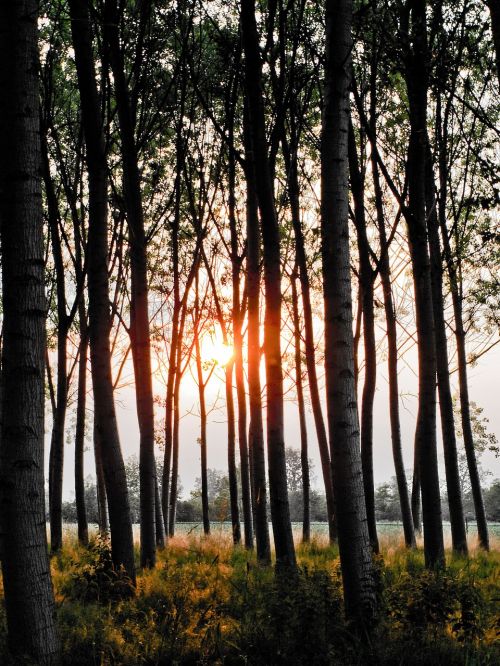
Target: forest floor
{"x": 207, "y": 602}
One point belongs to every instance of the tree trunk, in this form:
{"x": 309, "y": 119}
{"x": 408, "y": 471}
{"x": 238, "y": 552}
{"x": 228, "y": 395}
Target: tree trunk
{"x": 366, "y": 281}
{"x": 458, "y": 534}
{"x": 470, "y": 452}
{"x": 237, "y": 317}
{"x": 122, "y": 544}
{"x": 56, "y": 462}
{"x": 81, "y": 511}
{"x": 176, "y": 336}
{"x": 280, "y": 511}
{"x": 172, "y": 507}
{"x": 304, "y": 460}
{"x": 457, "y": 298}
{"x": 203, "y": 420}
{"x": 392, "y": 335}
{"x": 354, "y": 541}
{"x": 231, "y": 461}
{"x": 102, "y": 503}
{"x": 160, "y": 529}
{"x": 256, "y": 432}
{"x": 139, "y": 316}
{"x": 169, "y": 402}
{"x": 290, "y": 155}
{"x": 425, "y": 435}
{"x": 29, "y": 600}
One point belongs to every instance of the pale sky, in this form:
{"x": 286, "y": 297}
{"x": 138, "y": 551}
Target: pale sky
{"x": 484, "y": 390}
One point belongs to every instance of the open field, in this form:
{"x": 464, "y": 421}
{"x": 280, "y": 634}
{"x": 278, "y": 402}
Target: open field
{"x": 391, "y": 534}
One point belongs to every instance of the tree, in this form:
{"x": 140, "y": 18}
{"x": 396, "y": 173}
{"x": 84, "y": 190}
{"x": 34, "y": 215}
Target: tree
{"x": 98, "y": 286}
{"x": 29, "y": 599}
{"x": 366, "y": 281}
{"x": 255, "y": 430}
{"x": 343, "y": 427}
{"x": 492, "y": 501}
{"x": 416, "y": 60}
{"x": 139, "y": 315}
{"x": 280, "y": 513}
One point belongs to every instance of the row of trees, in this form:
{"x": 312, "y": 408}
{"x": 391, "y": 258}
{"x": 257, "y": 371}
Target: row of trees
{"x": 193, "y": 164}
{"x": 190, "y": 507}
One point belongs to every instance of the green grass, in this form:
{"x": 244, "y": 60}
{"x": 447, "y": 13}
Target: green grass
{"x": 209, "y": 603}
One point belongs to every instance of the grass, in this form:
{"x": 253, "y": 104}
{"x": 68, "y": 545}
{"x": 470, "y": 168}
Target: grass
{"x": 207, "y": 602}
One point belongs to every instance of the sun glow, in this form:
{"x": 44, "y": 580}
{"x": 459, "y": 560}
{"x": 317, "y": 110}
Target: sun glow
{"x": 216, "y": 351}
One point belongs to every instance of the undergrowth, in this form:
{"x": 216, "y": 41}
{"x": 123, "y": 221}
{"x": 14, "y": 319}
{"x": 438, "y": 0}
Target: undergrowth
{"x": 209, "y": 603}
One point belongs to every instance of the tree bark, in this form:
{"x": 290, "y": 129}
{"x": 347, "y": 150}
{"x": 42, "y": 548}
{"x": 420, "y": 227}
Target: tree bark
{"x": 392, "y": 335}
{"x": 304, "y": 459}
{"x": 176, "y": 336}
{"x": 425, "y": 435}
{"x": 29, "y": 600}
{"x": 122, "y": 545}
{"x": 237, "y": 317}
{"x": 172, "y": 506}
{"x": 102, "y": 502}
{"x": 290, "y": 155}
{"x": 366, "y": 281}
{"x": 203, "y": 419}
{"x": 139, "y": 316}
{"x": 56, "y": 459}
{"x": 81, "y": 511}
{"x": 458, "y": 534}
{"x": 456, "y": 297}
{"x": 231, "y": 460}
{"x": 160, "y": 529}
{"x": 354, "y": 541}
{"x": 280, "y": 511}
{"x": 256, "y": 431}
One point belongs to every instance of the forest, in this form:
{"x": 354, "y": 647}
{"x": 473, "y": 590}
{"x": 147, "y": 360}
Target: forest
{"x": 284, "y": 213}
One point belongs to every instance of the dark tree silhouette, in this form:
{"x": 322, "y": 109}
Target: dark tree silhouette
{"x": 29, "y": 600}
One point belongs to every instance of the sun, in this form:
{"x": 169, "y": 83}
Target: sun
{"x": 215, "y": 350}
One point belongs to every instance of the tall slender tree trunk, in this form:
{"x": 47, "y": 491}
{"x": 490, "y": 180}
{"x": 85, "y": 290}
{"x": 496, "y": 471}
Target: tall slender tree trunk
{"x": 102, "y": 502}
{"x": 457, "y": 300}
{"x": 29, "y": 599}
{"x": 238, "y": 358}
{"x": 231, "y": 455}
{"x": 458, "y": 534}
{"x": 56, "y": 460}
{"x": 392, "y": 336}
{"x": 139, "y": 316}
{"x": 415, "y": 494}
{"x": 81, "y": 405}
{"x": 176, "y": 336}
{"x": 169, "y": 404}
{"x": 354, "y": 541}
{"x": 366, "y": 281}
{"x": 425, "y": 435}
{"x": 290, "y": 155}
{"x": 174, "y": 481}
{"x": 280, "y": 510}
{"x": 256, "y": 431}
{"x": 304, "y": 459}
{"x": 122, "y": 545}
{"x": 160, "y": 528}
{"x": 470, "y": 451}
{"x": 203, "y": 419}
{"x": 172, "y": 507}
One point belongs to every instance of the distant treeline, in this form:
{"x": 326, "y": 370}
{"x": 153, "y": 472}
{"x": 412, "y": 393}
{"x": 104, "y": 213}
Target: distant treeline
{"x": 190, "y": 510}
